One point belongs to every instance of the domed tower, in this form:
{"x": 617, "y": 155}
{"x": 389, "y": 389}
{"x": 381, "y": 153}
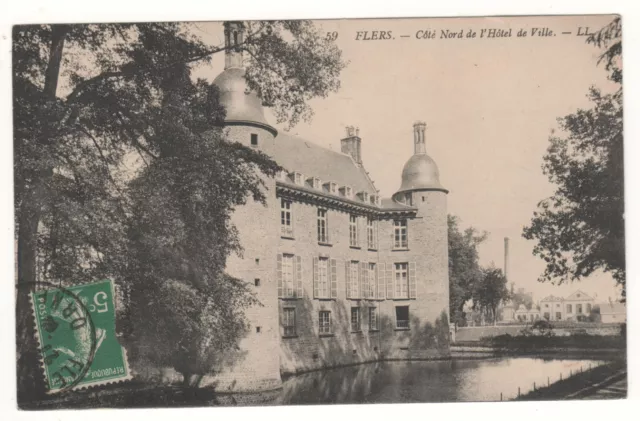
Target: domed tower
{"x": 259, "y": 366}
{"x": 428, "y": 231}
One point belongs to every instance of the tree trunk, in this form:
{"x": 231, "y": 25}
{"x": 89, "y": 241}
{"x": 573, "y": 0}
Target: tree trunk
{"x": 29, "y": 376}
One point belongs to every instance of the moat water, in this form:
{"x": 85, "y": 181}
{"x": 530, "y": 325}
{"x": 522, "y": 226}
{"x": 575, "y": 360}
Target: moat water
{"x": 428, "y": 381}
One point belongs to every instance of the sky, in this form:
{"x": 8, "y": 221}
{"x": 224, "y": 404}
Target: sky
{"x": 490, "y": 105}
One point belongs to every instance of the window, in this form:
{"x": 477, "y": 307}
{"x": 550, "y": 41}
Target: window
{"x": 289, "y": 321}
{"x": 373, "y": 318}
{"x": 400, "y": 234}
{"x": 407, "y": 199}
{"x": 256, "y": 282}
{"x": 254, "y": 139}
{"x": 298, "y": 178}
{"x": 323, "y": 232}
{"x": 372, "y": 234}
{"x": 287, "y": 275}
{"x": 324, "y": 322}
{"x": 546, "y": 315}
{"x": 286, "y": 225}
{"x": 355, "y": 319}
{"x": 569, "y": 309}
{"x": 558, "y": 315}
{"x": 546, "y": 306}
{"x": 353, "y": 230}
{"x": 402, "y": 317}
{"x": 371, "y": 283}
{"x": 579, "y": 308}
{"x": 323, "y": 277}
{"x": 401, "y": 280}
{"x": 588, "y": 308}
{"x": 353, "y": 276}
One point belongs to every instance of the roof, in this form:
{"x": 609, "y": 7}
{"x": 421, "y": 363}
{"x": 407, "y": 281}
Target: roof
{"x": 242, "y": 106}
{"x": 551, "y": 298}
{"x": 296, "y": 154}
{"x": 420, "y": 173}
{"x": 578, "y": 296}
{"x": 612, "y": 308}
{"x": 388, "y": 203}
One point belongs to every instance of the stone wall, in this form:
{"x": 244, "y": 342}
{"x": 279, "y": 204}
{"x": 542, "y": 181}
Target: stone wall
{"x": 309, "y": 350}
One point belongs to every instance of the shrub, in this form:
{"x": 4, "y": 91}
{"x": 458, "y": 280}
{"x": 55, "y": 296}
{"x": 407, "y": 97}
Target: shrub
{"x": 542, "y": 327}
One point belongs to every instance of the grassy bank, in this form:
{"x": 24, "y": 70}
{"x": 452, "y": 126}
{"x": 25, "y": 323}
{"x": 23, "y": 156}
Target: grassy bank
{"x": 539, "y": 343}
{"x": 578, "y": 382}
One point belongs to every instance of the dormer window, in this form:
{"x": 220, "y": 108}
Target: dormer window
{"x": 333, "y": 188}
{"x": 284, "y": 175}
{"x": 315, "y": 183}
{"x": 364, "y": 196}
{"x": 346, "y": 191}
{"x": 297, "y": 178}
{"x": 374, "y": 199}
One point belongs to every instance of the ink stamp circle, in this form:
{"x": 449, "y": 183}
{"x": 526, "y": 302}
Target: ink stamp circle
{"x": 75, "y": 328}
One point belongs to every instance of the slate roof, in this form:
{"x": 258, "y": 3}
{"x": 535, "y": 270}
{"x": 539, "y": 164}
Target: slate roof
{"x": 296, "y": 154}
{"x": 551, "y": 298}
{"x": 578, "y": 296}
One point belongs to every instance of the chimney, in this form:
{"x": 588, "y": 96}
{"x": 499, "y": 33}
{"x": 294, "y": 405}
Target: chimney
{"x": 506, "y": 257}
{"x": 350, "y": 145}
{"x": 420, "y": 147}
{"x": 233, "y": 36}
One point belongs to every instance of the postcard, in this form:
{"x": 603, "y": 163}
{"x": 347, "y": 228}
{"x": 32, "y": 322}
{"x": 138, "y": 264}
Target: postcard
{"x": 319, "y": 212}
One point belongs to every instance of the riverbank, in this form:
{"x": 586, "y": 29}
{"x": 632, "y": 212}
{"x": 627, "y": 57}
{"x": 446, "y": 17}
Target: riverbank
{"x": 453, "y": 380}
{"x": 584, "y": 385}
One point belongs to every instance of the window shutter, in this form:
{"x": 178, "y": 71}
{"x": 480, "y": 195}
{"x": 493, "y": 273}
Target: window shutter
{"x": 316, "y": 293}
{"x": 381, "y": 278}
{"x": 413, "y": 287}
{"x": 389, "y": 277}
{"x": 279, "y": 274}
{"x": 334, "y": 278}
{"x": 299, "y": 276}
{"x": 364, "y": 281}
{"x": 347, "y": 277}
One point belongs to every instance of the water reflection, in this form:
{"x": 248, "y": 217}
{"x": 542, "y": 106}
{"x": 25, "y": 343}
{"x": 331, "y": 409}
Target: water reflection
{"x": 428, "y": 381}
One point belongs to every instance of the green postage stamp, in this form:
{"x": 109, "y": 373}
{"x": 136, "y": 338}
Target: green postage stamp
{"x": 75, "y": 328}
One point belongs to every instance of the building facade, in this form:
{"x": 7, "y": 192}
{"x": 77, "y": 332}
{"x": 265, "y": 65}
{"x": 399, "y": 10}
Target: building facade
{"x": 343, "y": 275}
{"x": 572, "y": 308}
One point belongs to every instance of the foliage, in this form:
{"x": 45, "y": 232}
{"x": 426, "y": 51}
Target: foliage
{"x": 542, "y": 327}
{"x": 528, "y": 343}
{"x": 286, "y": 74}
{"x": 464, "y": 269}
{"x": 91, "y": 106}
{"x": 580, "y": 229}
{"x": 490, "y": 291}
{"x": 519, "y": 298}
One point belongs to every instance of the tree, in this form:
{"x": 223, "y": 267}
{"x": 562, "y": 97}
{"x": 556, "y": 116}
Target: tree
{"x": 580, "y": 229}
{"x": 521, "y": 298}
{"x": 180, "y": 235}
{"x": 490, "y": 291}
{"x": 86, "y": 97}
{"x": 464, "y": 269}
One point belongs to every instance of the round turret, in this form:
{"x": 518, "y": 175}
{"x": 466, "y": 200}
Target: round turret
{"x": 242, "y": 105}
{"x": 420, "y": 173}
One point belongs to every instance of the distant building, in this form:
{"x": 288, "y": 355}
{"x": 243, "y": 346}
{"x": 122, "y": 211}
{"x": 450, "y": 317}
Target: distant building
{"x": 570, "y": 308}
{"x": 613, "y": 313}
{"x": 527, "y": 315}
{"x": 508, "y": 312}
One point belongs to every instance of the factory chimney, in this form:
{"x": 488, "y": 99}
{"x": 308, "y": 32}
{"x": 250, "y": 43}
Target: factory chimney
{"x": 506, "y": 257}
